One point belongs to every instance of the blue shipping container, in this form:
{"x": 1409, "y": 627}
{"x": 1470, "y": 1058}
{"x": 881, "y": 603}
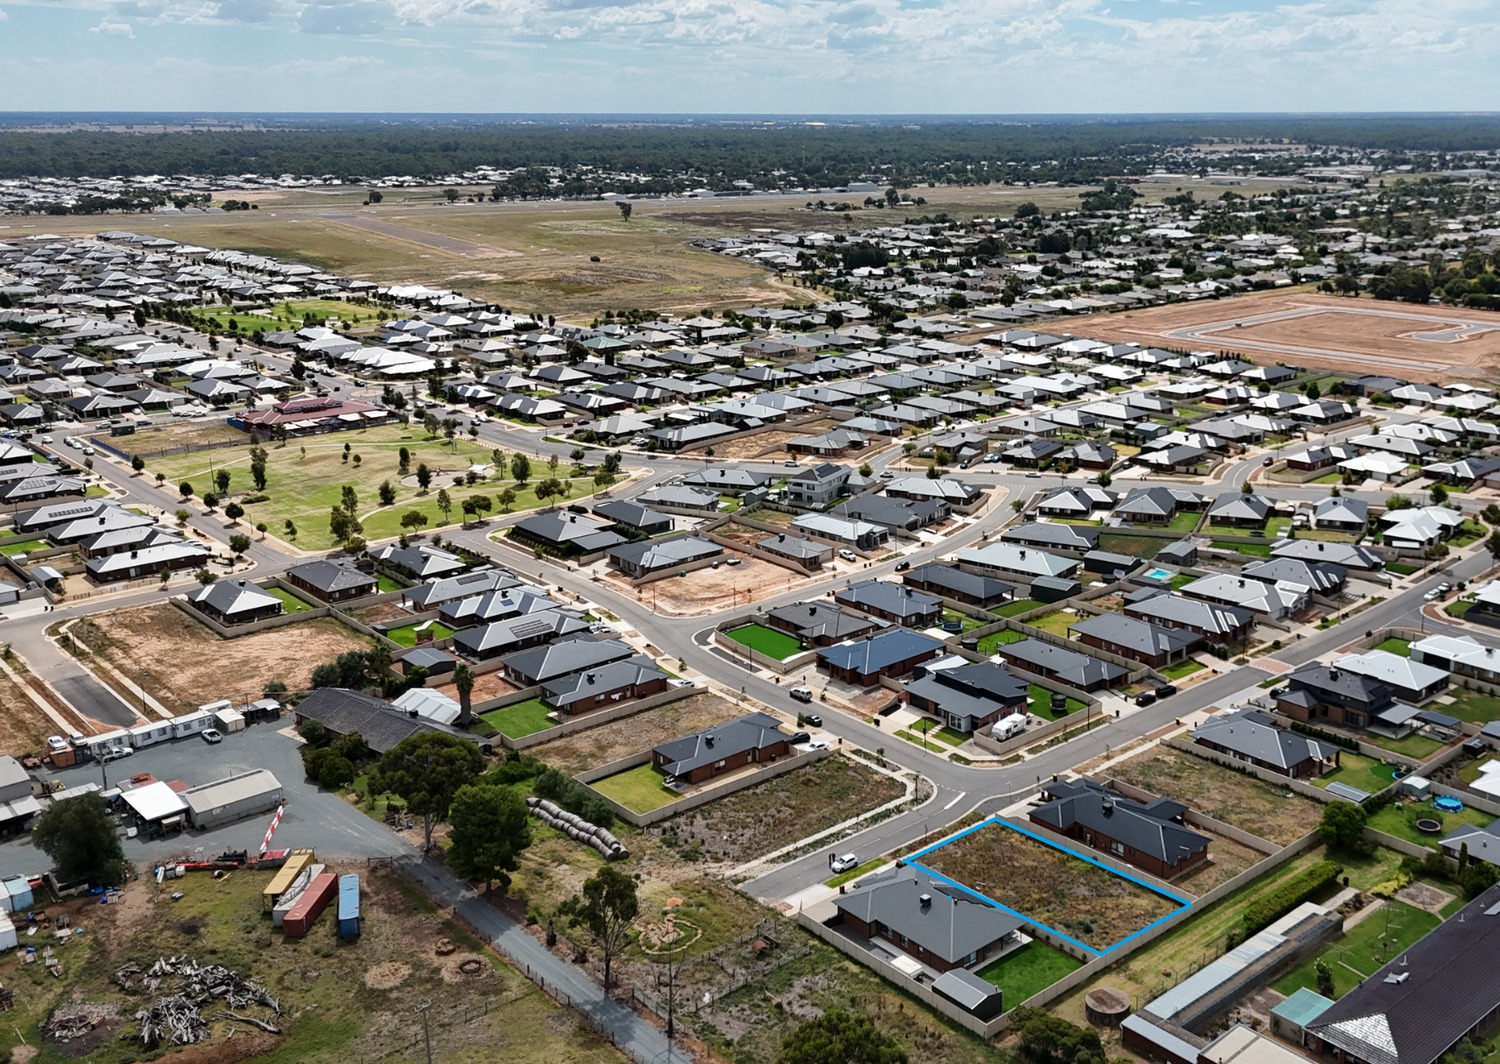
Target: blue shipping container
{"x": 349, "y": 919}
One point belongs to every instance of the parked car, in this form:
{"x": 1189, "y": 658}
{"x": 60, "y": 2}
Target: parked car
{"x": 732, "y": 561}
{"x": 813, "y": 719}
{"x": 1145, "y": 698}
{"x": 212, "y": 736}
{"x": 1166, "y": 690}
{"x": 1433, "y": 594}
{"x": 886, "y": 474}
{"x": 1033, "y": 475}
{"x": 56, "y": 743}
{"x": 847, "y": 554}
{"x": 790, "y": 463}
{"x": 114, "y": 753}
{"x": 843, "y": 864}
{"x": 992, "y": 458}
{"x": 599, "y": 626}
{"x": 799, "y": 737}
{"x": 901, "y": 567}
{"x": 678, "y": 681}
{"x": 801, "y": 694}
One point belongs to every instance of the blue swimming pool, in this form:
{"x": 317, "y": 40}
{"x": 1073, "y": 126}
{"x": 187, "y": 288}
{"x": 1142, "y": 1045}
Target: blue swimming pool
{"x": 1159, "y": 574}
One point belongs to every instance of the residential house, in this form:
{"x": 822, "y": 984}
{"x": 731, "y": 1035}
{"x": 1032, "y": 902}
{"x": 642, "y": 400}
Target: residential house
{"x": 1077, "y": 502}
{"x": 967, "y": 697}
{"x": 381, "y": 725}
{"x": 564, "y": 658}
{"x": 566, "y": 533}
{"x": 680, "y": 499}
{"x": 1052, "y": 662}
{"x": 829, "y": 444}
{"x": 905, "y": 515}
{"x": 728, "y": 480}
{"x": 818, "y": 486}
{"x": 1315, "y": 692}
{"x": 1010, "y": 559}
{"x": 1408, "y": 679}
{"x": 929, "y": 920}
{"x": 233, "y": 602}
{"x": 1314, "y": 578}
{"x": 1149, "y": 835}
{"x": 862, "y": 535}
{"x": 634, "y": 516}
{"x": 1240, "y": 510}
{"x": 439, "y": 592}
{"x": 894, "y": 653}
{"x": 752, "y": 739}
{"x": 951, "y": 582}
{"x": 1218, "y": 625}
{"x": 1058, "y": 537}
{"x": 1138, "y": 640}
{"x": 892, "y": 602}
{"x": 1419, "y": 527}
{"x": 331, "y": 581}
{"x": 637, "y": 560}
{"x": 810, "y": 554}
{"x": 1157, "y": 505}
{"x": 1319, "y": 457}
{"x": 500, "y": 605}
{"x": 517, "y": 633}
{"x": 962, "y": 497}
{"x": 607, "y": 685}
{"x": 165, "y": 556}
{"x": 1341, "y": 514}
{"x": 818, "y": 624}
{"x": 1273, "y": 599}
{"x": 1349, "y": 555}
{"x": 1254, "y": 738}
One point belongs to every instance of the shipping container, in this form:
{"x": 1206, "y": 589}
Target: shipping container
{"x": 310, "y": 906}
{"x": 349, "y": 916}
{"x": 271, "y": 859}
{"x": 8, "y": 938}
{"x": 293, "y": 895}
{"x": 19, "y": 889}
{"x": 65, "y": 758}
{"x": 294, "y": 863}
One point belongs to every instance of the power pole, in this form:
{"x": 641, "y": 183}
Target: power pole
{"x": 426, "y": 1030}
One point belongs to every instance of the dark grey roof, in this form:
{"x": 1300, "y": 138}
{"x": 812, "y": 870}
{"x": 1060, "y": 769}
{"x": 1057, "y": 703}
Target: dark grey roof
{"x": 1256, "y": 736}
{"x": 1415, "y": 1008}
{"x": 867, "y": 656}
{"x": 893, "y": 599}
{"x": 1238, "y": 506}
{"x": 380, "y": 724}
{"x": 1069, "y": 666}
{"x": 1321, "y": 577}
{"x": 566, "y": 527}
{"x": 660, "y": 553}
{"x": 949, "y": 578}
{"x": 754, "y": 731}
{"x": 527, "y": 628}
{"x": 634, "y": 514}
{"x": 1341, "y": 683}
{"x": 794, "y": 546}
{"x": 1132, "y": 632}
{"x": 950, "y": 926}
{"x": 974, "y": 691}
{"x": 331, "y": 576}
{"x": 1063, "y": 537}
{"x": 229, "y": 597}
{"x": 560, "y": 659}
{"x": 1214, "y": 620}
{"x": 814, "y": 619}
{"x": 565, "y": 690}
{"x": 1146, "y": 827}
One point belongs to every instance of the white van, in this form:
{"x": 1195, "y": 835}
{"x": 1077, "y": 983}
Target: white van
{"x": 1008, "y": 727}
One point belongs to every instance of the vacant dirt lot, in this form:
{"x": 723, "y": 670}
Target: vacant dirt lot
{"x": 23, "y": 727}
{"x": 1081, "y": 900}
{"x": 769, "y": 442}
{"x": 713, "y": 590}
{"x": 1327, "y": 332}
{"x": 1226, "y": 859}
{"x": 181, "y": 433}
{"x": 183, "y": 665}
{"x": 1238, "y": 800}
{"x": 773, "y": 814}
{"x": 486, "y": 685}
{"x": 601, "y": 745}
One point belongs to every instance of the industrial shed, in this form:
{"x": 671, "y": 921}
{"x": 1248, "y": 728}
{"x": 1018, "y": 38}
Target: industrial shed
{"x": 233, "y": 798}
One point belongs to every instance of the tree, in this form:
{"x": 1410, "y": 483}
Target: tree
{"x": 387, "y": 493}
{"x": 80, "y": 837}
{"x": 506, "y": 496}
{"x": 403, "y": 461}
{"x": 137, "y": 463}
{"x": 239, "y": 543}
{"x": 625, "y": 209}
{"x": 348, "y": 499}
{"x": 204, "y": 577}
{"x": 471, "y": 509}
{"x": 1438, "y": 494}
{"x": 262, "y": 528}
{"x": 463, "y": 682}
{"x": 839, "y": 1037}
{"x": 520, "y": 468}
{"x": 548, "y": 489}
{"x": 606, "y": 909}
{"x": 414, "y": 519}
{"x": 490, "y": 829}
{"x": 866, "y": 469}
{"x": 424, "y": 476}
{"x": 1493, "y": 545}
{"x": 186, "y": 489}
{"x": 427, "y": 770}
{"x": 1343, "y": 827}
{"x": 221, "y": 481}
{"x": 181, "y": 515}
{"x": 339, "y": 524}
{"x": 1046, "y": 1039}
{"x": 234, "y": 511}
{"x": 444, "y": 503}
{"x": 258, "y": 458}
{"x": 210, "y": 501}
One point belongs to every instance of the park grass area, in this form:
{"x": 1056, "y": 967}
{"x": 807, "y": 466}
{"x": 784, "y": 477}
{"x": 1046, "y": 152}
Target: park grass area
{"x": 288, "y": 316}
{"x": 1039, "y": 701}
{"x": 1252, "y": 550}
{"x": 520, "y": 719}
{"x": 1380, "y": 936}
{"x": 406, "y": 635}
{"x": 1099, "y": 908}
{"x": 1010, "y": 609}
{"x": 25, "y": 546}
{"x": 1182, "y": 670}
{"x": 767, "y": 641}
{"x": 1028, "y": 971}
{"x": 770, "y": 815}
{"x": 357, "y": 1008}
{"x": 987, "y": 644}
{"x": 1470, "y": 706}
{"x": 1143, "y": 547}
{"x": 1395, "y": 645}
{"x": 1400, "y": 819}
{"x": 639, "y": 789}
{"x": 290, "y": 603}
{"x": 304, "y": 479}
{"x": 1238, "y": 800}
{"x": 1357, "y": 770}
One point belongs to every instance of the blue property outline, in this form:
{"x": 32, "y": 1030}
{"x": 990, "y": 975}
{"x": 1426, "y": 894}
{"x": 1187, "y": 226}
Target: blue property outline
{"x": 913, "y": 861}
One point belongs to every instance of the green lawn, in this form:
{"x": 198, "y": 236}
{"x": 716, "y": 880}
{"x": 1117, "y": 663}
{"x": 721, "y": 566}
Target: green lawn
{"x": 932, "y": 729}
{"x": 854, "y": 873}
{"x": 1395, "y": 645}
{"x": 290, "y": 603}
{"x": 1010, "y": 609}
{"x": 1467, "y": 533}
{"x": 987, "y": 644}
{"x": 1182, "y": 670}
{"x": 1254, "y": 550}
{"x": 521, "y": 719}
{"x": 1357, "y": 770}
{"x": 1369, "y": 944}
{"x": 1400, "y": 568}
{"x": 26, "y": 546}
{"x": 1040, "y": 699}
{"x": 1144, "y": 547}
{"x": 768, "y": 641}
{"x": 1056, "y": 622}
{"x": 1180, "y": 581}
{"x": 1185, "y": 521}
{"x": 1028, "y": 971}
{"x": 95, "y": 491}
{"x": 1458, "y": 608}
{"x": 385, "y": 583}
{"x": 967, "y": 623}
{"x": 1471, "y": 706}
{"x": 1400, "y": 821}
{"x": 282, "y": 317}
{"x": 640, "y": 789}
{"x": 406, "y": 635}
{"x": 1415, "y": 746}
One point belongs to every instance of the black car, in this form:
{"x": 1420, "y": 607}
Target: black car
{"x": 1145, "y": 698}
{"x": 901, "y": 567}
{"x": 1166, "y": 690}
{"x": 813, "y": 719}
{"x": 800, "y": 737}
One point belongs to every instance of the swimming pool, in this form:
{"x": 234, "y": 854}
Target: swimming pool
{"x": 1159, "y": 574}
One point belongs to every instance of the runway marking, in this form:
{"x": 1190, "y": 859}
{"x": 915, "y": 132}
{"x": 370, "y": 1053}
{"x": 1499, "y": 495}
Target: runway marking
{"x": 950, "y": 805}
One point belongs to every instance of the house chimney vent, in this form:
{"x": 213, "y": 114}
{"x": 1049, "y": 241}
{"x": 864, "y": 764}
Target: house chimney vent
{"x": 926, "y": 900}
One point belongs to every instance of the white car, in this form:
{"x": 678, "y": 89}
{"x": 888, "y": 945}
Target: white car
{"x": 211, "y": 737}
{"x": 56, "y": 743}
{"x": 844, "y": 863}
{"x": 847, "y": 554}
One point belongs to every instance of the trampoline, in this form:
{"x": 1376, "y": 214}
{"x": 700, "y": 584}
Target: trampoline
{"x": 1448, "y": 805}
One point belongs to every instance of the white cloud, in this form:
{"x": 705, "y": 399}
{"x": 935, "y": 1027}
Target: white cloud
{"x": 111, "y": 27}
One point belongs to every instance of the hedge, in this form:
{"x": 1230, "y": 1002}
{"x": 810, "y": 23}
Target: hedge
{"x": 1290, "y": 894}
{"x": 1327, "y": 736}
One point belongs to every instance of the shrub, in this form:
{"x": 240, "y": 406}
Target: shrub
{"x": 1290, "y": 894}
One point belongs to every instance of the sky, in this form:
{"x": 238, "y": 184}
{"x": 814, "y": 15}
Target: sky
{"x": 750, "y": 56}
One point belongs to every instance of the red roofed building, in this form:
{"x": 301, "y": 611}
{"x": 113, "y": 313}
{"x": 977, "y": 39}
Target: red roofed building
{"x": 313, "y": 414}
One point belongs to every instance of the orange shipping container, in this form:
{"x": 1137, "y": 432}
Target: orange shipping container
{"x": 311, "y": 905}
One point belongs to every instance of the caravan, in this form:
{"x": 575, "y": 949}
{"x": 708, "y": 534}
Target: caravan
{"x": 1008, "y": 727}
